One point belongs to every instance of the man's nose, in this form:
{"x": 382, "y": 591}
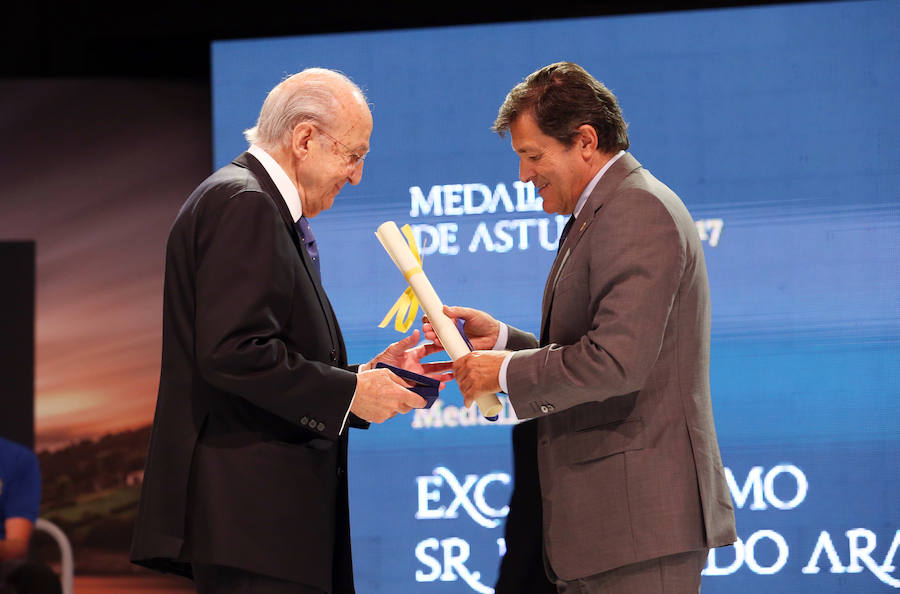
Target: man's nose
{"x": 356, "y": 172}
{"x": 525, "y": 172}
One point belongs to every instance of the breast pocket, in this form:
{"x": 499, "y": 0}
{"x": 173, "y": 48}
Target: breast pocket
{"x": 569, "y": 314}
{"x": 569, "y": 280}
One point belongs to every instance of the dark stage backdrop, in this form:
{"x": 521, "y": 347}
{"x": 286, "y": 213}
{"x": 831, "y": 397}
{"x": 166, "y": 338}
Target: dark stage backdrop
{"x": 777, "y": 125}
{"x": 17, "y": 329}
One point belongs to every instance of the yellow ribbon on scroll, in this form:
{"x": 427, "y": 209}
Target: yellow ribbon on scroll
{"x": 407, "y": 259}
{"x": 407, "y": 305}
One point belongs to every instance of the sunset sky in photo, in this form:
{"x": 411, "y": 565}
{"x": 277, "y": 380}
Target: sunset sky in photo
{"x": 100, "y": 224}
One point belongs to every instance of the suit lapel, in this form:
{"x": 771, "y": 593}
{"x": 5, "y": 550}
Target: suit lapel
{"x": 250, "y": 162}
{"x": 604, "y": 188}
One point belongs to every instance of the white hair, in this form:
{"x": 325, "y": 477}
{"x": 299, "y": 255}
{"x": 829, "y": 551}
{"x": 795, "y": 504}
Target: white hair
{"x": 308, "y": 96}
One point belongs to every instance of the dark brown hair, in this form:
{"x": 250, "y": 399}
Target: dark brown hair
{"x": 562, "y": 97}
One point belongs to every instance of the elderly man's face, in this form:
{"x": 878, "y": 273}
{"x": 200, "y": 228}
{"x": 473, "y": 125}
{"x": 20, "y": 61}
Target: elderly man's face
{"x": 559, "y": 173}
{"x": 336, "y": 158}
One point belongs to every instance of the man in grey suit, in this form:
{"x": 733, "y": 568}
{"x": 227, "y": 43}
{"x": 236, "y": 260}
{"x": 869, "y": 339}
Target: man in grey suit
{"x": 632, "y": 484}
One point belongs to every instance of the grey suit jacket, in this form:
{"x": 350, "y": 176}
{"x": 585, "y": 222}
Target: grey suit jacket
{"x": 627, "y": 450}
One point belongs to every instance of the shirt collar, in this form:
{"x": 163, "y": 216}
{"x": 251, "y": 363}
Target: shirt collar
{"x": 284, "y": 184}
{"x": 593, "y": 184}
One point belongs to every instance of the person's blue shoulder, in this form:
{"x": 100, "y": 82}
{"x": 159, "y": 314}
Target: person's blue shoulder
{"x": 20, "y": 490}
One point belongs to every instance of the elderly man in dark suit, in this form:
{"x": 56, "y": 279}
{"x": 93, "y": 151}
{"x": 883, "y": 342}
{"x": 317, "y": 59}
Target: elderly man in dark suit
{"x": 631, "y": 478}
{"x": 245, "y": 488}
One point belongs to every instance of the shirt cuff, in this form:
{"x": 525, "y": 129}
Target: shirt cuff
{"x": 501, "y": 375}
{"x": 502, "y": 338}
{"x": 347, "y": 414}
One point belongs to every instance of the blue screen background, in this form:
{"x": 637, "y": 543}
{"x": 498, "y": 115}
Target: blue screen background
{"x": 778, "y": 126}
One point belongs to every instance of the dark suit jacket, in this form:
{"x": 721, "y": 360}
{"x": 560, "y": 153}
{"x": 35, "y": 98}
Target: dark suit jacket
{"x": 246, "y": 466}
{"x": 627, "y": 450}
{"x": 522, "y": 567}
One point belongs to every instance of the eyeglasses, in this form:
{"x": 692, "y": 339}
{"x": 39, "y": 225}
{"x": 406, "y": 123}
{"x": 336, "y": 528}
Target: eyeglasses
{"x": 353, "y": 157}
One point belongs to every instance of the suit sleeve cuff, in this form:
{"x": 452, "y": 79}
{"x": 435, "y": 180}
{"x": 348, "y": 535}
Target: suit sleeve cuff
{"x": 502, "y": 374}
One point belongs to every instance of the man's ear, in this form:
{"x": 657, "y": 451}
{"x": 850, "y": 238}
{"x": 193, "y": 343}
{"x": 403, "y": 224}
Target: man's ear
{"x": 587, "y": 140}
{"x": 300, "y": 138}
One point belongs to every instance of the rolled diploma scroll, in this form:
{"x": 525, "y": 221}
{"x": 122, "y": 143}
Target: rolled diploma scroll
{"x": 395, "y": 245}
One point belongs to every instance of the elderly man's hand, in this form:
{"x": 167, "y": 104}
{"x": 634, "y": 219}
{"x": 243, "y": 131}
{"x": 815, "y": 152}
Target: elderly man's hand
{"x": 481, "y": 329}
{"x": 380, "y": 395}
{"x": 478, "y": 373}
{"x": 406, "y": 355}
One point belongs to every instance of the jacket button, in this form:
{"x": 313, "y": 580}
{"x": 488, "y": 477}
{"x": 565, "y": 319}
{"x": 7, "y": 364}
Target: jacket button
{"x": 321, "y": 426}
{"x": 333, "y": 354}
{"x": 545, "y": 409}
{"x": 304, "y": 421}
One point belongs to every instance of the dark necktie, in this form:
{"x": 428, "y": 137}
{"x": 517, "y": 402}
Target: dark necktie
{"x": 565, "y": 233}
{"x": 309, "y": 241}
{"x": 545, "y": 338}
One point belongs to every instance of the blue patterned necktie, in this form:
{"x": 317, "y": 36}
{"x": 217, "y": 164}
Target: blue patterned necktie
{"x": 309, "y": 241}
